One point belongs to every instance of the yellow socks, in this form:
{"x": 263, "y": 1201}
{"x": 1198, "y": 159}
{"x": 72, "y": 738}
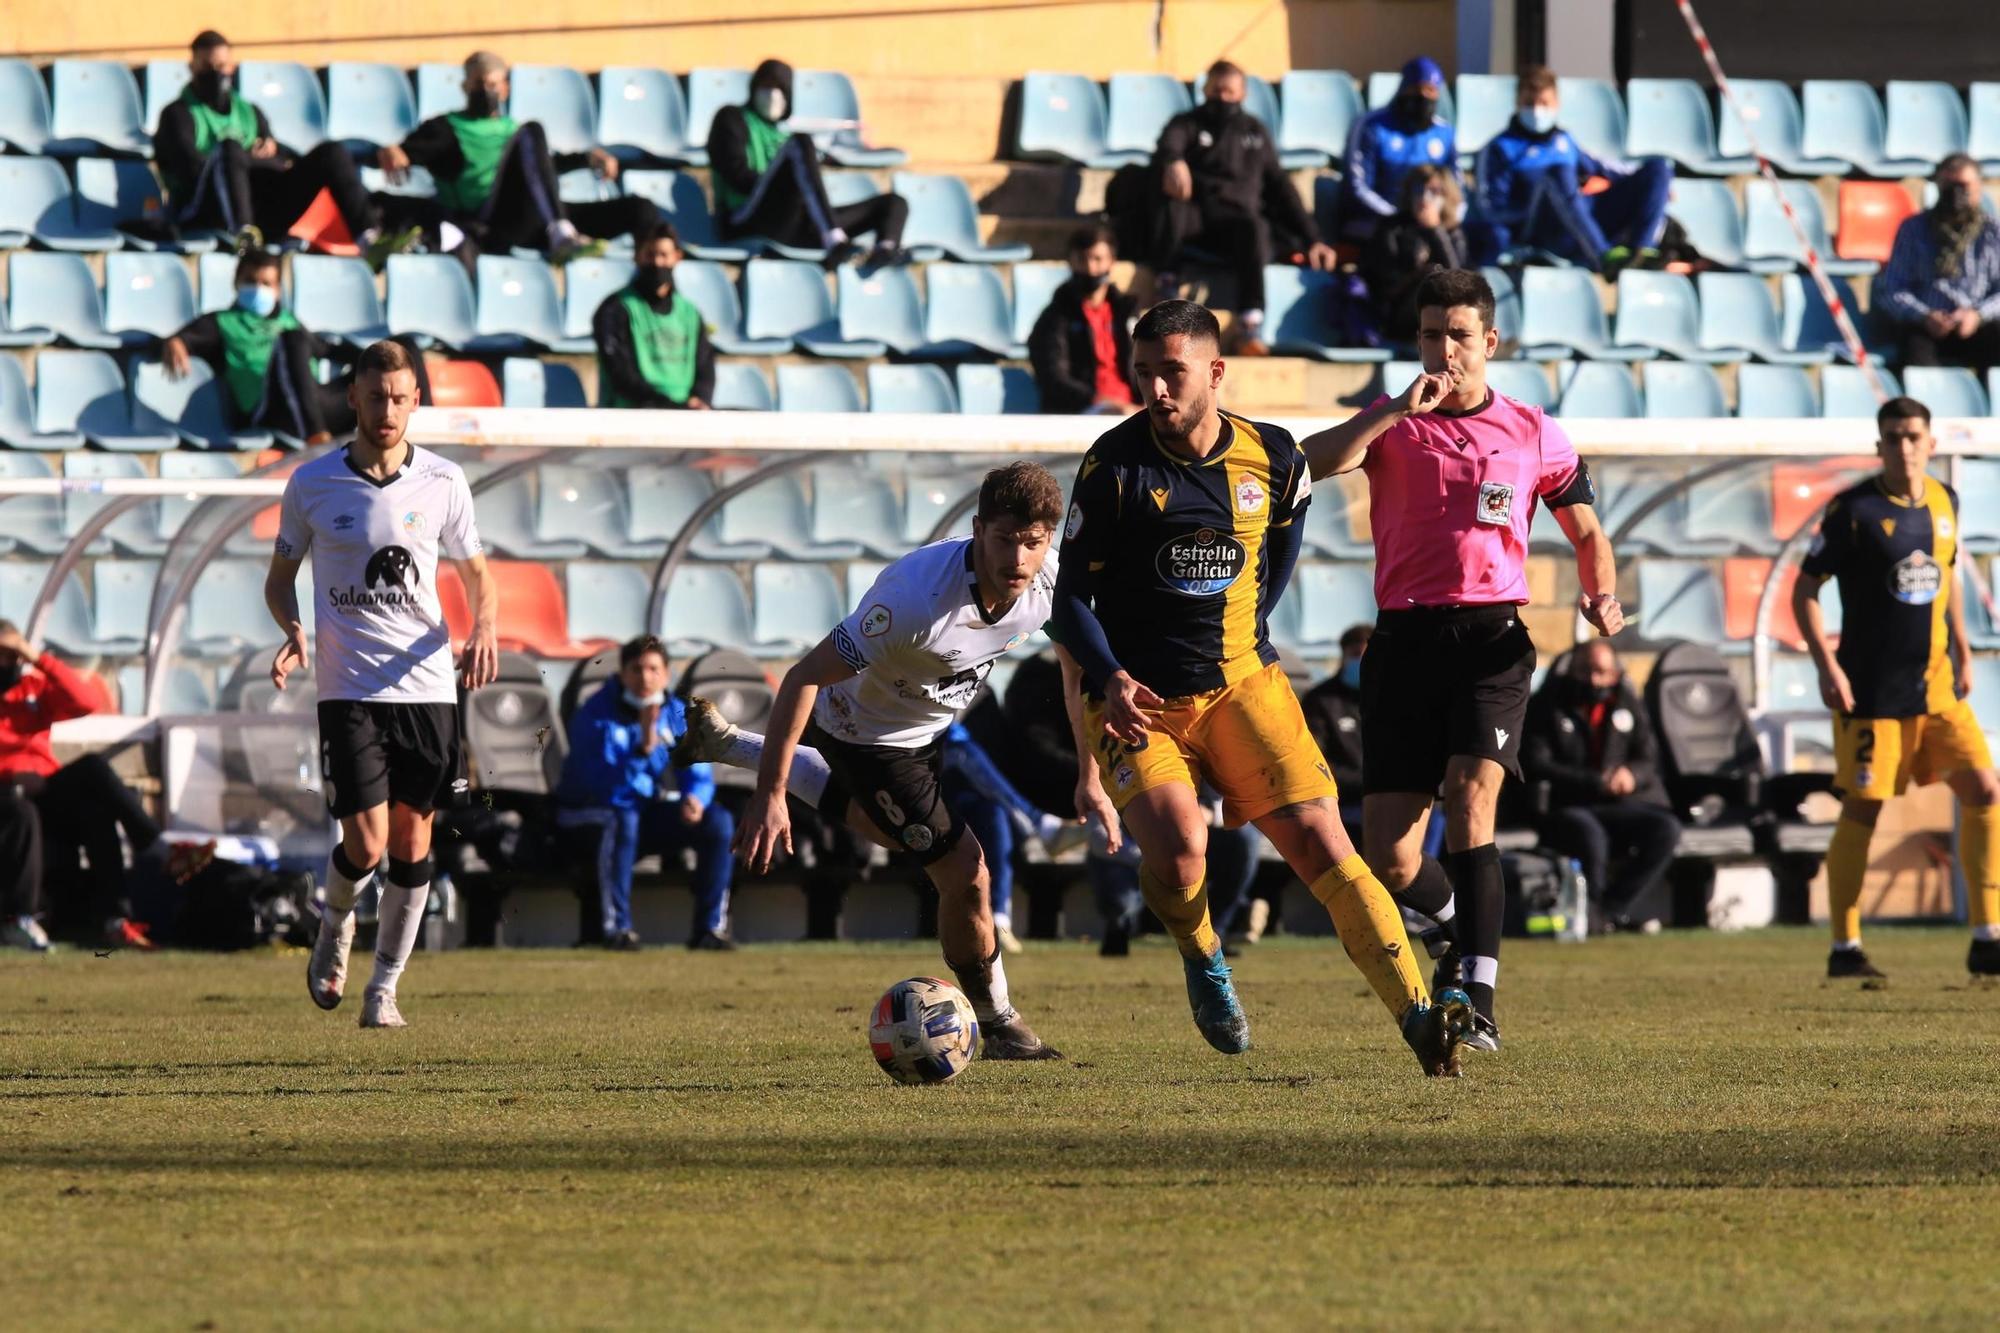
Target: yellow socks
{"x": 1371, "y": 930}
{"x": 1846, "y": 863}
{"x": 1979, "y": 854}
{"x": 1183, "y": 911}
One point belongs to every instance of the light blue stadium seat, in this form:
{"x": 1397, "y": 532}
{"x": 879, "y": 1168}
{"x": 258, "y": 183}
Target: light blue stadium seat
{"x": 189, "y": 465}
{"x": 1523, "y": 381}
{"x": 932, "y": 490}
{"x": 607, "y": 600}
{"x": 289, "y": 96}
{"x": 881, "y": 304}
{"x": 146, "y": 296}
{"x": 1396, "y": 375}
{"x": 817, "y": 389}
{"x": 1682, "y": 599}
{"x": 1321, "y": 106}
{"x": 56, "y": 292}
{"x": 84, "y": 393}
{"x": 1707, "y": 211}
{"x": 1599, "y": 389}
{"x": 164, "y": 81}
{"x": 914, "y": 388}
{"x": 1506, "y": 303}
{"x": 431, "y": 300}
{"x": 861, "y": 576}
{"x": 1844, "y": 390}
{"x": 518, "y": 305}
{"x": 1731, "y": 513}
{"x": 368, "y": 104}
{"x": 1683, "y": 389}
{"x": 331, "y": 295}
{"x": 1805, "y": 323}
{"x": 660, "y": 500}
{"x": 1594, "y": 115}
{"x": 17, "y": 413}
{"x": 1332, "y": 598}
{"x": 136, "y": 531}
{"x": 641, "y": 113}
{"x": 96, "y": 107}
{"x": 788, "y": 299}
{"x": 1949, "y": 391}
{"x": 1298, "y": 309}
{"x": 1382, "y": 86}
{"x": 794, "y": 607}
{"x": 1779, "y": 127}
{"x": 24, "y": 107}
{"x": 507, "y": 521}
{"x": 193, "y": 407}
{"x": 578, "y": 503}
{"x": 1140, "y": 107}
{"x": 943, "y": 217}
{"x": 1661, "y": 310}
{"x": 1671, "y": 118}
{"x": 218, "y": 287}
{"x": 1485, "y": 105}
{"x": 121, "y": 599}
{"x": 1336, "y": 523}
{"x": 1926, "y": 122}
{"x": 828, "y": 94}
{"x": 1561, "y": 313}
{"x": 559, "y": 99}
{"x": 1260, "y": 99}
{"x": 586, "y": 284}
{"x": 30, "y": 522}
{"x": 966, "y": 311}
{"x": 707, "y": 608}
{"x": 1629, "y": 488}
{"x": 188, "y": 692}
{"x": 856, "y": 506}
{"x": 1063, "y": 118}
{"x": 36, "y": 200}
{"x": 741, "y": 387}
{"x": 710, "y": 90}
{"x": 1982, "y": 137}
{"x": 1774, "y": 392}
{"x": 68, "y": 627}
{"x": 1981, "y": 630}
{"x": 225, "y": 613}
{"x": 528, "y": 382}
{"x": 1844, "y": 120}
{"x": 708, "y": 285}
{"x": 771, "y": 516}
{"x": 440, "y": 89}
{"x": 110, "y": 191}
{"x": 1034, "y": 287}
{"x": 680, "y": 200}
{"x": 1770, "y": 245}
{"x": 1736, "y": 315}
{"x": 1979, "y": 503}
{"x": 995, "y": 390}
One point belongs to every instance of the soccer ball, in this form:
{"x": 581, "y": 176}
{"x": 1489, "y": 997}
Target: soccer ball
{"x": 923, "y": 1031}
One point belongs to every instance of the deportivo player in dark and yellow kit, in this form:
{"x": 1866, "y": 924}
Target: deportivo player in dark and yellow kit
{"x": 1181, "y": 534}
{"x": 1899, "y": 680}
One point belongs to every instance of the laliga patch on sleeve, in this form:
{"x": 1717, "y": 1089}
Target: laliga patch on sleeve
{"x": 876, "y": 623}
{"x": 1496, "y": 503}
{"x": 1074, "y": 524}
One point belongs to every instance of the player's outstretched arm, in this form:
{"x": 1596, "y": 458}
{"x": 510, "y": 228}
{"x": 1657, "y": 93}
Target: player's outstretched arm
{"x": 1596, "y": 569}
{"x": 1834, "y": 690}
{"x": 766, "y": 827}
{"x": 1339, "y": 448}
{"x": 481, "y": 663}
{"x": 1091, "y": 801}
{"x": 281, "y": 596}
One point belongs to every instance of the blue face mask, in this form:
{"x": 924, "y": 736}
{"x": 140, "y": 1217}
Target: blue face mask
{"x": 1350, "y": 674}
{"x": 259, "y": 301}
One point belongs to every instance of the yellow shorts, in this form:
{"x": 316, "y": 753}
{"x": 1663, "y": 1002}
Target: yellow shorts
{"x": 1248, "y": 740}
{"x": 1878, "y": 757}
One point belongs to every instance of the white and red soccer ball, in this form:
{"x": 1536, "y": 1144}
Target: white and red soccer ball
{"x": 923, "y": 1031}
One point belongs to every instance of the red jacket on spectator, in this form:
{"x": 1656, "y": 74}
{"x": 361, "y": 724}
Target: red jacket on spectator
{"x": 52, "y": 692}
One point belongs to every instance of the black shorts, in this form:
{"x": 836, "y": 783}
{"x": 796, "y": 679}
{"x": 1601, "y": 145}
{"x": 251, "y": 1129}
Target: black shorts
{"x": 898, "y": 789}
{"x": 373, "y": 752}
{"x": 1438, "y": 682}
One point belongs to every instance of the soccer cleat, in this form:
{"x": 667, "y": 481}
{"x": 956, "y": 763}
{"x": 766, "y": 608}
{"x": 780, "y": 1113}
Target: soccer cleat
{"x": 122, "y": 932}
{"x": 1013, "y": 1039}
{"x": 709, "y": 941}
{"x": 1449, "y": 972}
{"x": 1436, "y": 1030}
{"x": 622, "y": 941}
{"x": 326, "y": 970}
{"x": 24, "y": 932}
{"x": 378, "y": 1010}
{"x": 1983, "y": 958}
{"x": 1217, "y": 1013}
{"x": 1485, "y": 1034}
{"x": 707, "y": 737}
{"x": 1005, "y": 938}
{"x": 1847, "y": 963}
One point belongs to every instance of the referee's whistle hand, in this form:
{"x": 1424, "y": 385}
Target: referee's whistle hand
{"x": 1603, "y": 612}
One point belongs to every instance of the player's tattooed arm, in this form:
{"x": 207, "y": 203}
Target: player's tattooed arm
{"x": 1339, "y": 448}
{"x": 1596, "y": 568}
{"x": 481, "y": 663}
{"x": 1091, "y": 801}
{"x": 281, "y": 596}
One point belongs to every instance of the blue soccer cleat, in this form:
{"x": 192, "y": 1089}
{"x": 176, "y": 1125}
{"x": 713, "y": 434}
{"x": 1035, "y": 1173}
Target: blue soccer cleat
{"x": 1217, "y": 1013}
{"x": 1436, "y": 1030}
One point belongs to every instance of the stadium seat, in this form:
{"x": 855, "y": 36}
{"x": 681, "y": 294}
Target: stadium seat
{"x": 114, "y": 191}
{"x": 456, "y": 383}
{"x": 1661, "y": 310}
{"x": 1260, "y": 99}
{"x": 431, "y": 300}
{"x": 514, "y": 731}
{"x": 1336, "y": 521}
{"x": 440, "y": 89}
{"x": 1382, "y": 86}
{"x": 36, "y": 201}
{"x": 641, "y": 114}
{"x": 69, "y": 626}
{"x": 368, "y": 105}
{"x": 856, "y": 505}
{"x": 1744, "y": 581}
{"x": 1844, "y": 121}
{"x": 289, "y": 96}
{"x": 188, "y": 465}
{"x": 793, "y": 608}
{"x": 861, "y": 576}
{"x": 827, "y": 94}
{"x": 943, "y": 217}
{"x": 225, "y": 612}
{"x": 1979, "y": 503}
{"x": 1063, "y": 119}
{"x": 1870, "y": 213}
{"x": 217, "y": 273}
{"x": 1320, "y": 106}
{"x": 164, "y": 81}
{"x": 788, "y": 299}
{"x": 1594, "y": 115}
{"x": 24, "y": 107}
{"x": 121, "y": 600}
{"x": 586, "y": 283}
{"x": 741, "y": 387}
{"x": 1683, "y": 389}
{"x": 193, "y": 407}
{"x": 1523, "y": 381}
{"x": 581, "y": 503}
{"x": 1769, "y": 243}
{"x": 1949, "y": 391}
{"x": 518, "y": 305}
{"x": 96, "y": 107}
{"x": 995, "y": 390}
{"x": 1982, "y": 138}
{"x": 1845, "y": 392}
{"x": 916, "y": 388}
{"x": 1298, "y": 307}
{"x": 526, "y": 381}
{"x": 1599, "y": 389}
{"x": 680, "y": 200}
{"x": 709, "y": 90}
{"x": 1730, "y": 512}
{"x": 879, "y": 304}
{"x": 85, "y": 393}
{"x": 1926, "y": 123}
{"x": 559, "y": 99}
{"x": 1034, "y": 287}
{"x": 709, "y": 286}
{"x": 1506, "y": 303}
{"x": 17, "y": 413}
{"x": 1671, "y": 118}
{"x": 707, "y": 608}
{"x": 1982, "y": 631}
{"x": 134, "y": 531}
{"x": 1140, "y": 107}
{"x": 56, "y": 292}
{"x": 533, "y": 615}
{"x": 1805, "y": 323}
{"x": 331, "y": 295}
{"x": 1774, "y": 392}
{"x": 817, "y": 389}
{"x": 1708, "y": 214}
{"x": 1736, "y": 314}
{"x": 1681, "y": 599}
{"x": 1561, "y": 313}
{"x": 966, "y": 311}
{"x": 772, "y": 516}
{"x": 607, "y": 599}
{"x": 33, "y": 522}
{"x": 1485, "y": 105}
{"x": 1331, "y": 598}
{"x": 1779, "y": 129}
{"x": 146, "y": 296}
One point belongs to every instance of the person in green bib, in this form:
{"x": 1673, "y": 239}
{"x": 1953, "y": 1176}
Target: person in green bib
{"x": 497, "y": 181}
{"x": 224, "y": 171}
{"x": 652, "y": 345}
{"x": 263, "y": 356}
{"x": 768, "y": 184}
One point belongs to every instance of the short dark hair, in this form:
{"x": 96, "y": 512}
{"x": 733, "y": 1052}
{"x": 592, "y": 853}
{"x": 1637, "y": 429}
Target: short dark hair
{"x": 1356, "y": 636}
{"x": 1024, "y": 492}
{"x": 1083, "y": 238}
{"x": 1188, "y": 318}
{"x": 1222, "y": 69}
{"x": 1952, "y": 163}
{"x": 1535, "y": 79}
{"x": 660, "y": 231}
{"x": 634, "y": 649}
{"x": 205, "y": 41}
{"x": 1448, "y": 287}
{"x": 253, "y": 262}
{"x": 1900, "y": 409}
{"x": 384, "y": 358}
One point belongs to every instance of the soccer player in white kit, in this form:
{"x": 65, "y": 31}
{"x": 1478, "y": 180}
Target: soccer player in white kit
{"x": 376, "y": 517}
{"x": 873, "y": 701}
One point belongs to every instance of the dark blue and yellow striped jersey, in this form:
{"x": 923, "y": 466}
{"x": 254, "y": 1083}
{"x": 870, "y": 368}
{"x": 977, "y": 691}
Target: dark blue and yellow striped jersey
{"x": 1893, "y": 561}
{"x": 1173, "y": 549}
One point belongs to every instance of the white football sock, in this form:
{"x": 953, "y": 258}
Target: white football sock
{"x": 1986, "y": 932}
{"x": 341, "y": 893}
{"x": 1482, "y": 971}
{"x": 1003, "y": 921}
{"x": 1048, "y": 828}
{"x": 809, "y": 776}
{"x": 401, "y": 916}
{"x": 1846, "y": 946}
{"x": 985, "y": 984}
{"x": 1444, "y": 914}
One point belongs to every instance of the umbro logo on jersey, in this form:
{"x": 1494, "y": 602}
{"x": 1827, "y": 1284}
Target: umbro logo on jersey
{"x": 390, "y": 567}
{"x": 343, "y": 523}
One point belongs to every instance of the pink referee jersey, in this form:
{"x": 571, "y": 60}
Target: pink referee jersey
{"x": 1451, "y": 497}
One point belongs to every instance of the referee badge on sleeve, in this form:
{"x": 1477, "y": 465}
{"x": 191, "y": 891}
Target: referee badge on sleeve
{"x": 1496, "y": 503}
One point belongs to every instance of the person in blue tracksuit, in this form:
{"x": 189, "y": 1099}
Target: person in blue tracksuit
{"x": 1531, "y": 180}
{"x": 614, "y": 783}
{"x": 1385, "y": 144}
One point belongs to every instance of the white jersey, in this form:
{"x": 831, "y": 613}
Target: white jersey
{"x": 380, "y": 630}
{"x": 923, "y": 645}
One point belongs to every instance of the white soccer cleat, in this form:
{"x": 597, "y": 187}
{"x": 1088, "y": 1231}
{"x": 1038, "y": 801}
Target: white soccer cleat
{"x": 378, "y": 1010}
{"x": 326, "y": 970}
{"x": 1005, "y": 938}
{"x": 708, "y": 735}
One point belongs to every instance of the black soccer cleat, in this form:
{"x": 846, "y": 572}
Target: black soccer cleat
{"x": 1437, "y": 1030}
{"x": 1485, "y": 1034}
{"x": 1013, "y": 1039}
{"x": 1849, "y": 963}
{"x": 706, "y": 941}
{"x": 1983, "y": 958}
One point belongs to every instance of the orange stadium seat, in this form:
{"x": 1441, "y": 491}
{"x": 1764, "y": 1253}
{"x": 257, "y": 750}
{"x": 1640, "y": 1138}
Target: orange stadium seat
{"x": 1743, "y": 580}
{"x": 457, "y": 607}
{"x": 464, "y": 384}
{"x": 533, "y": 616}
{"x": 1800, "y": 490}
{"x": 1870, "y": 212}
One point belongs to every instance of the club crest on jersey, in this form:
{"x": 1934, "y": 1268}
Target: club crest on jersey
{"x": 1125, "y": 776}
{"x": 876, "y": 623}
{"x": 414, "y": 523}
{"x": 1201, "y": 563}
{"x": 390, "y": 567}
{"x": 1074, "y": 524}
{"x": 918, "y": 837}
{"x": 1496, "y": 503}
{"x": 1249, "y": 495}
{"x": 1916, "y": 579}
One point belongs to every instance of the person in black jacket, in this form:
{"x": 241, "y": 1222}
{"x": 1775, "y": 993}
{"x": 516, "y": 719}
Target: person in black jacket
{"x": 1333, "y": 716}
{"x": 1221, "y": 190}
{"x": 1081, "y": 345}
{"x": 1423, "y": 236}
{"x": 652, "y": 344}
{"x": 768, "y": 184}
{"x": 1587, "y": 735}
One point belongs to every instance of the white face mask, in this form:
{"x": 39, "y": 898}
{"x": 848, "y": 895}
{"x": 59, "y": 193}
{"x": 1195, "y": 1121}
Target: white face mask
{"x": 645, "y": 701}
{"x": 769, "y": 103}
{"x": 1540, "y": 119}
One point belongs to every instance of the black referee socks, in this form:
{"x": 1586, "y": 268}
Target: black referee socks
{"x": 1481, "y": 891}
{"x": 1430, "y": 892}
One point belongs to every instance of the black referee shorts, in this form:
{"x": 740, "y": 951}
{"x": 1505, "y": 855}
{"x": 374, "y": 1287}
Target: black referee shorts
{"x": 372, "y": 752}
{"x": 1438, "y": 682}
{"x": 896, "y": 788}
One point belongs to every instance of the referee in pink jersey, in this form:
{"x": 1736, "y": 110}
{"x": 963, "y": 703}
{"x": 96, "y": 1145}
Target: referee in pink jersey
{"x": 1454, "y": 470}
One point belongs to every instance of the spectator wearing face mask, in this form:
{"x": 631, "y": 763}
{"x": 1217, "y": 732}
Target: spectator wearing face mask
{"x": 1422, "y": 237}
{"x": 1940, "y": 290}
{"x": 224, "y": 170}
{"x": 1531, "y": 179}
{"x": 768, "y": 184}
{"x": 1222, "y": 191}
{"x": 652, "y": 346}
{"x": 1081, "y": 345}
{"x": 497, "y": 181}
{"x": 1387, "y": 144}
{"x": 264, "y": 359}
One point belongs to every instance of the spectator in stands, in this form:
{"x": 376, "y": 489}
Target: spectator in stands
{"x": 614, "y": 785}
{"x": 1589, "y": 738}
{"x": 1221, "y": 190}
{"x": 1081, "y": 345}
{"x": 1940, "y": 290}
{"x": 224, "y": 170}
{"x": 79, "y": 807}
{"x": 21, "y": 872}
{"x": 1531, "y": 195}
{"x": 1422, "y": 237}
{"x": 999, "y": 816}
{"x": 1333, "y": 716}
{"x": 652, "y": 344}
{"x": 768, "y": 183}
{"x": 1387, "y": 144}
{"x": 497, "y": 181}
{"x": 264, "y": 358}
